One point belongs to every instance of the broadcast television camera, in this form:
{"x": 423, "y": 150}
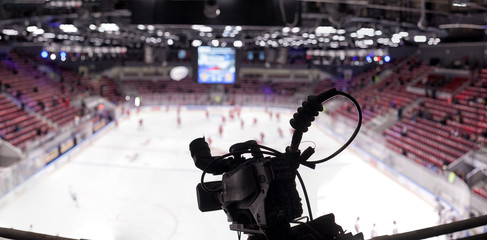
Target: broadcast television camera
{"x": 259, "y": 194}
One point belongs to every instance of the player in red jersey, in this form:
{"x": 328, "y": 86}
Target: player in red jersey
{"x": 220, "y": 130}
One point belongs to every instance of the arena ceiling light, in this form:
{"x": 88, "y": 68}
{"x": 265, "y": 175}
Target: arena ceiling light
{"x": 370, "y": 32}
{"x": 68, "y": 28}
{"x": 238, "y": 44}
{"x": 49, "y": 35}
{"x": 31, "y": 28}
{"x": 10, "y": 32}
{"x": 196, "y": 43}
{"x": 202, "y": 28}
{"x": 325, "y": 30}
{"x": 38, "y": 31}
{"x": 420, "y": 38}
{"x": 108, "y": 27}
{"x": 433, "y": 41}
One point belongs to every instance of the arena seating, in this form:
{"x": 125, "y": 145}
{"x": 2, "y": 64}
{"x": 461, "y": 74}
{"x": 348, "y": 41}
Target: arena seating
{"x": 37, "y": 91}
{"x": 379, "y": 98}
{"x": 441, "y": 83}
{"x": 442, "y": 129}
{"x": 186, "y": 85}
{"x": 433, "y": 132}
{"x": 257, "y": 85}
{"x": 16, "y": 125}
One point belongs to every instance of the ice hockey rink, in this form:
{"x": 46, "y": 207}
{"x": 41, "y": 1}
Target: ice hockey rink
{"x": 138, "y": 182}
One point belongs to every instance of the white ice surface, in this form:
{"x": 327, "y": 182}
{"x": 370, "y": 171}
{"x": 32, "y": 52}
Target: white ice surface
{"x": 139, "y": 182}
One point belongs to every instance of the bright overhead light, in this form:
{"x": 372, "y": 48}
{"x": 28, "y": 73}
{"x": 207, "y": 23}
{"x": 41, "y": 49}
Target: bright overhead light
{"x": 459, "y": 4}
{"x": 286, "y": 29}
{"x": 49, "y": 35}
{"x": 202, "y": 28}
{"x": 215, "y": 42}
{"x": 295, "y": 30}
{"x": 44, "y": 54}
{"x": 10, "y": 32}
{"x": 368, "y": 42}
{"x": 420, "y": 38}
{"x": 92, "y": 27}
{"x": 196, "y": 43}
{"x": 395, "y": 38}
{"x": 38, "y": 31}
{"x": 404, "y": 34}
{"x": 366, "y": 32}
{"x": 31, "y": 28}
{"x": 141, "y": 27}
{"x": 68, "y": 28}
{"x": 109, "y": 27}
{"x": 325, "y": 30}
{"x": 238, "y": 43}
{"x": 170, "y": 42}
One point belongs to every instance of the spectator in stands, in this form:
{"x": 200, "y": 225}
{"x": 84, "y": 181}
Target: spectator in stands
{"x": 16, "y": 128}
{"x": 445, "y": 119}
{"x": 399, "y": 113}
{"x": 473, "y": 137}
{"x": 427, "y": 114}
{"x": 417, "y": 113}
{"x": 404, "y": 131}
{"x": 35, "y": 89}
{"x": 404, "y": 152}
{"x": 76, "y": 120}
{"x": 41, "y": 104}
{"x": 55, "y": 100}
{"x": 455, "y": 132}
{"x": 458, "y": 117}
{"x": 18, "y": 94}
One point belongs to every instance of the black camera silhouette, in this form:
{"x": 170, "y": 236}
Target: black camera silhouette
{"x": 259, "y": 194}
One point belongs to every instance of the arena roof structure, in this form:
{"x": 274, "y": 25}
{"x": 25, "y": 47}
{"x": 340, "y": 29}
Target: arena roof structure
{"x": 324, "y": 24}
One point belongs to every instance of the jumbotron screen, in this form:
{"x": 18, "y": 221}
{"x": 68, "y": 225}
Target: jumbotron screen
{"x": 216, "y": 65}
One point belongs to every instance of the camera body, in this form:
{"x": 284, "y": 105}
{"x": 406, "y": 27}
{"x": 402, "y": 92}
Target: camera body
{"x": 257, "y": 194}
